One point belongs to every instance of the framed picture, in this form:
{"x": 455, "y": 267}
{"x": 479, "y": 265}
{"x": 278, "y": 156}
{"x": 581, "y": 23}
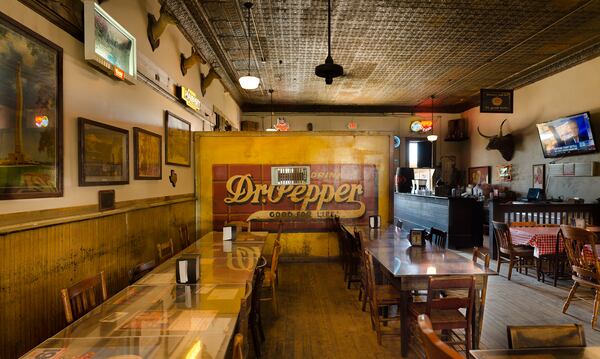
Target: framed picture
{"x": 479, "y": 175}
{"x": 505, "y": 173}
{"x": 417, "y": 237}
{"x": 103, "y": 154}
{"x": 539, "y": 176}
{"x": 66, "y": 14}
{"x": 147, "y": 155}
{"x": 495, "y": 101}
{"x": 178, "y": 140}
{"x": 31, "y": 148}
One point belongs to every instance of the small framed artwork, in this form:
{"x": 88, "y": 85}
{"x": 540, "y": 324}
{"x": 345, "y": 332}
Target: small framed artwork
{"x": 505, "y": 173}
{"x": 178, "y": 140}
{"x": 417, "y": 237}
{"x": 496, "y": 101}
{"x": 479, "y": 175}
{"x": 539, "y": 176}
{"x": 103, "y": 154}
{"x": 147, "y": 155}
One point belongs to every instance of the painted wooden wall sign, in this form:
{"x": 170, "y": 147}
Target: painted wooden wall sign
{"x": 496, "y": 101}
{"x": 246, "y": 192}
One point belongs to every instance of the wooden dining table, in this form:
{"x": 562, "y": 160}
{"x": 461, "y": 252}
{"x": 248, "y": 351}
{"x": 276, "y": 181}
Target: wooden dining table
{"x": 410, "y": 267}
{"x": 158, "y": 318}
{"x": 546, "y": 353}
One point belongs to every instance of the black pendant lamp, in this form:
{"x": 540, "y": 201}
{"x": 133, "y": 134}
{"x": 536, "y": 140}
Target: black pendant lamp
{"x": 329, "y": 70}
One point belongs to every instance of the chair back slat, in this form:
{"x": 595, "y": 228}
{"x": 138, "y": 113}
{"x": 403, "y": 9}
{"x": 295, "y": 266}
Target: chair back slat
{"x": 84, "y": 296}
{"x": 545, "y": 336}
{"x": 275, "y": 259}
{"x": 503, "y": 237}
{"x": 577, "y": 243}
{"x": 165, "y": 250}
{"x": 438, "y": 237}
{"x": 454, "y": 284}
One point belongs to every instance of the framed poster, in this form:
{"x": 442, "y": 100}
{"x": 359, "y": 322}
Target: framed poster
{"x": 479, "y": 175}
{"x": 103, "y": 154}
{"x": 496, "y": 101}
{"x": 178, "y": 140}
{"x": 539, "y": 176}
{"x": 147, "y": 155}
{"x": 31, "y": 149}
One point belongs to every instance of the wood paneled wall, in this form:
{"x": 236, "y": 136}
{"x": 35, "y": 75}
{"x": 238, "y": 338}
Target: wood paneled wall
{"x": 36, "y": 263}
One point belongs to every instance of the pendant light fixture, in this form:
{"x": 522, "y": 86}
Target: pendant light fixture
{"x": 249, "y": 82}
{"x": 432, "y": 138}
{"x": 329, "y": 70}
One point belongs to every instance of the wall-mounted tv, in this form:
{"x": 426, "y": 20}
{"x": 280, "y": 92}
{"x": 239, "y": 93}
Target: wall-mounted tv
{"x": 571, "y": 135}
{"x": 108, "y": 46}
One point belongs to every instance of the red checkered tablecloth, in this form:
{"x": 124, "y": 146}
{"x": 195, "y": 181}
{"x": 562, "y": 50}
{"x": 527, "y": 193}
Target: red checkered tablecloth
{"x": 542, "y": 239}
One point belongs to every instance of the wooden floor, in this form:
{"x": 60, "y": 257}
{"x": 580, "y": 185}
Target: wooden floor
{"x": 320, "y": 318}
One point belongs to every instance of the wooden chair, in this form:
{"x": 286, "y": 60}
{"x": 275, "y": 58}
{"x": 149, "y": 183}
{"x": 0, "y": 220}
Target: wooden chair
{"x": 276, "y": 242}
{"x": 545, "y": 336}
{"x": 432, "y": 345}
{"x": 238, "y": 347}
{"x": 363, "y": 293}
{"x": 239, "y": 225}
{"x": 585, "y": 268}
{"x": 84, "y": 296}
{"x": 511, "y": 254}
{"x": 438, "y": 237}
{"x": 271, "y": 277}
{"x": 245, "y": 313}
{"x": 478, "y": 255}
{"x": 140, "y": 270}
{"x": 184, "y": 236}
{"x": 524, "y": 224}
{"x": 352, "y": 274}
{"x": 445, "y": 311}
{"x": 258, "y": 334}
{"x": 165, "y": 250}
{"x": 381, "y": 296}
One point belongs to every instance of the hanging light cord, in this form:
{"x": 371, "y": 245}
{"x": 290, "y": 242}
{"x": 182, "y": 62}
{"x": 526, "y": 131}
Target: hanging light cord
{"x": 329, "y": 27}
{"x": 249, "y": 6}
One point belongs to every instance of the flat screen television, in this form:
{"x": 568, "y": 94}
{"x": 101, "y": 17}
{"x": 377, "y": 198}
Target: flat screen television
{"x": 567, "y": 136}
{"x": 108, "y": 46}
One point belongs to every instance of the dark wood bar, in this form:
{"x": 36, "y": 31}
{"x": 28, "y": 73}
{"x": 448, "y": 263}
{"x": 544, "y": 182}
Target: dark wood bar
{"x": 461, "y": 218}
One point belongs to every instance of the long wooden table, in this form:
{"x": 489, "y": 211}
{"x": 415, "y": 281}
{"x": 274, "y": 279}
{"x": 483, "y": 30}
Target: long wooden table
{"x": 157, "y": 318}
{"x": 410, "y": 267}
{"x": 548, "y": 353}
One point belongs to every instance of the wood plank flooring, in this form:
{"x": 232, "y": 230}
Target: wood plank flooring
{"x": 320, "y": 318}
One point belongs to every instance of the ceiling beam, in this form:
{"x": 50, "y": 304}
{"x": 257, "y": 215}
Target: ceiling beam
{"x": 248, "y": 107}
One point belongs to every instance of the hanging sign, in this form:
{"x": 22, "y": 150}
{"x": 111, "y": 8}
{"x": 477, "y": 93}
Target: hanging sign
{"x": 189, "y": 98}
{"x": 496, "y": 101}
{"x": 120, "y": 74}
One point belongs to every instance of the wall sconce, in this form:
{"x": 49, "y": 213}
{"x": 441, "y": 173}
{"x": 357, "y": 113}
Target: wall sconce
{"x": 185, "y": 63}
{"x": 205, "y": 81}
{"x": 157, "y": 27}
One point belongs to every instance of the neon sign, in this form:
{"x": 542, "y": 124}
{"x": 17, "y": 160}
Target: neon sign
{"x": 421, "y": 126}
{"x": 41, "y": 121}
{"x": 189, "y": 97}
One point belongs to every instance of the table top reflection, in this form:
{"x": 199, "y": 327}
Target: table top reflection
{"x": 158, "y": 318}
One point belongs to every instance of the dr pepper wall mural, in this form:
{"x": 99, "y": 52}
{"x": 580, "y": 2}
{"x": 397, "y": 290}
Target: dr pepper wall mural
{"x": 246, "y": 192}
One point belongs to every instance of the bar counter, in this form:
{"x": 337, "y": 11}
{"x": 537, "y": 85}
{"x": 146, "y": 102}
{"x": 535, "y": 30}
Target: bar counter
{"x": 462, "y": 218}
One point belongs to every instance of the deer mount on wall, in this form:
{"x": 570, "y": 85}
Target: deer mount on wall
{"x": 503, "y": 143}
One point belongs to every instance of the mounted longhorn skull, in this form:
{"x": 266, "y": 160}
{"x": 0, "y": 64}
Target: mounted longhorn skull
{"x": 503, "y": 143}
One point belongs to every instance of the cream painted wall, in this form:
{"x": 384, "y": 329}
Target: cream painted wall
{"x": 88, "y": 93}
{"x": 572, "y": 91}
{"x": 399, "y": 124}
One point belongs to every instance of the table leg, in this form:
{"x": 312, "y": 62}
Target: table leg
{"x": 404, "y": 326}
{"x": 475, "y": 320}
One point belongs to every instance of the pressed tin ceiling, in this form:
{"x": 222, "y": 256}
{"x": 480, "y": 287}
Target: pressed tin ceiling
{"x": 395, "y": 54}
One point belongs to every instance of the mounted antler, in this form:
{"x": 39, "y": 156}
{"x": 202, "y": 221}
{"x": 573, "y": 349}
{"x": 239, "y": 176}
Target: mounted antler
{"x": 186, "y": 63}
{"x": 503, "y": 143}
{"x": 157, "y": 27}
{"x": 205, "y": 81}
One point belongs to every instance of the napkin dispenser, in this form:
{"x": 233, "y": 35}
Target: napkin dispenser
{"x": 374, "y": 221}
{"x": 229, "y": 233}
{"x": 187, "y": 269}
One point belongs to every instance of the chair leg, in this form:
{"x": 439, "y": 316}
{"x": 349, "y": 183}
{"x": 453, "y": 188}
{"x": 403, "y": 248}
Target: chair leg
{"x": 499, "y": 263}
{"x": 255, "y": 339}
{"x": 538, "y": 267}
{"x": 571, "y": 294}
{"x": 360, "y": 290}
{"x": 275, "y": 305}
{"x": 364, "y": 301}
{"x": 468, "y": 338}
{"x": 596, "y": 308}
{"x": 511, "y": 264}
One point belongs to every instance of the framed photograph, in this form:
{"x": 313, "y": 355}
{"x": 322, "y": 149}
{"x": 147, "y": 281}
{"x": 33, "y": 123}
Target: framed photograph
{"x": 31, "y": 148}
{"x": 539, "y": 176}
{"x": 496, "y": 101}
{"x": 103, "y": 154}
{"x": 505, "y": 173}
{"x": 479, "y": 175}
{"x": 147, "y": 155}
{"x": 178, "y": 140}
